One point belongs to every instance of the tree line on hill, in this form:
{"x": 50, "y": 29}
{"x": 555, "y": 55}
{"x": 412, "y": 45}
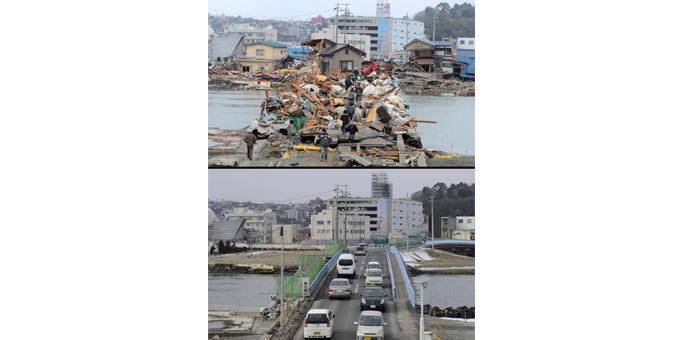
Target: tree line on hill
{"x": 456, "y": 21}
{"x": 452, "y": 200}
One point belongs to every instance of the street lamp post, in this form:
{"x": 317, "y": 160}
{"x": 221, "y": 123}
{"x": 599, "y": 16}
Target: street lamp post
{"x": 423, "y": 285}
{"x": 282, "y": 294}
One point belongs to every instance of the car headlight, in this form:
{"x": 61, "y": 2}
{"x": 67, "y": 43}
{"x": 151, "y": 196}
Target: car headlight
{"x": 363, "y": 300}
{"x": 382, "y": 301}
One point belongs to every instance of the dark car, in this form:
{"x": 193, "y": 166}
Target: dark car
{"x": 373, "y": 298}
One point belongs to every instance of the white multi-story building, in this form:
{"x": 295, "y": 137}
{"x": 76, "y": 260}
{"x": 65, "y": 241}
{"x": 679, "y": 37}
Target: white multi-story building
{"x": 321, "y": 225}
{"x": 387, "y": 35}
{"x": 355, "y": 225}
{"x": 403, "y": 31}
{"x": 405, "y": 213}
{"x": 260, "y": 221}
{"x": 459, "y": 227}
{"x": 465, "y": 222}
{"x": 251, "y": 33}
{"x": 367, "y": 217}
{"x": 465, "y": 43}
{"x": 360, "y": 41}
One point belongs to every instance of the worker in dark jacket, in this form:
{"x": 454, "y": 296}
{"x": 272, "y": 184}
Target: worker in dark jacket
{"x": 250, "y": 140}
{"x": 324, "y": 142}
{"x": 349, "y": 109}
{"x": 345, "y": 122}
{"x": 352, "y": 129}
{"x": 358, "y": 90}
{"x": 348, "y": 82}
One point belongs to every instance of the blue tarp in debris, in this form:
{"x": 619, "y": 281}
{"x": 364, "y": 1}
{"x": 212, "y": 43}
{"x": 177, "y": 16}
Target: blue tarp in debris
{"x": 467, "y": 58}
{"x": 299, "y": 52}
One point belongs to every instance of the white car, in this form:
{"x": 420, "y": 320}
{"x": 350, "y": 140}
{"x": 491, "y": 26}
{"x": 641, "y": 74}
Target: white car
{"x": 373, "y": 265}
{"x": 371, "y": 326}
{"x": 374, "y": 277}
{"x": 318, "y": 324}
{"x": 346, "y": 266}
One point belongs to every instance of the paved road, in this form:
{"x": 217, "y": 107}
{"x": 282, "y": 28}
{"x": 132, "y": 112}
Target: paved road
{"x": 402, "y": 323}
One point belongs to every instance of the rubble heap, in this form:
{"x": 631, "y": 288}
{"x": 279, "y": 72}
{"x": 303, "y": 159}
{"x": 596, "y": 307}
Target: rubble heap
{"x": 293, "y": 116}
{"x": 222, "y": 77}
{"x": 434, "y": 84}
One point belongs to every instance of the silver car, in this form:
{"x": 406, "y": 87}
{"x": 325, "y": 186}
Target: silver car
{"x": 374, "y": 277}
{"x": 340, "y": 288}
{"x": 371, "y": 326}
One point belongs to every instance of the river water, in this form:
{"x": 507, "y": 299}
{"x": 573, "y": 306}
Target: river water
{"x": 447, "y": 290}
{"x": 455, "y": 116}
{"x": 227, "y": 291}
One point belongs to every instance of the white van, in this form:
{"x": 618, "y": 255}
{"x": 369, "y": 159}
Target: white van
{"x": 346, "y": 266}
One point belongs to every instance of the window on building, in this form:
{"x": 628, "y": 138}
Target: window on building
{"x": 259, "y": 52}
{"x": 347, "y": 51}
{"x": 346, "y": 65}
{"x": 469, "y": 220}
{"x": 470, "y": 42}
{"x": 462, "y": 42}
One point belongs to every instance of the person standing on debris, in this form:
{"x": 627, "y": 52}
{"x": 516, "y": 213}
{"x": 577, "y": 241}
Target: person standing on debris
{"x": 348, "y": 82}
{"x": 350, "y": 110}
{"x": 250, "y": 140}
{"x": 352, "y": 129}
{"x": 358, "y": 91}
{"x": 324, "y": 142}
{"x": 345, "y": 121}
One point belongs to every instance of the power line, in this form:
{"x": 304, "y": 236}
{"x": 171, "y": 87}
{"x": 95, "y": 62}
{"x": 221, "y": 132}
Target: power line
{"x": 301, "y": 15}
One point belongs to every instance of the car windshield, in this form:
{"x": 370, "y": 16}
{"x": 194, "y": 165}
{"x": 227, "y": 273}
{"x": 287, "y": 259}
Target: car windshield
{"x": 346, "y": 262}
{"x": 374, "y": 272}
{"x": 317, "y": 318}
{"x": 374, "y": 292}
{"x": 374, "y": 265}
{"x": 370, "y": 320}
{"x": 339, "y": 283}
{"x": 360, "y": 248}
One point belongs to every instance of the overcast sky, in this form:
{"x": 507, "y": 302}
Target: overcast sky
{"x": 300, "y": 185}
{"x": 305, "y": 9}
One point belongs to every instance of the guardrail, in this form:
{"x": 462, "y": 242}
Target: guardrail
{"x": 407, "y": 282}
{"x": 322, "y": 273}
{"x": 389, "y": 267}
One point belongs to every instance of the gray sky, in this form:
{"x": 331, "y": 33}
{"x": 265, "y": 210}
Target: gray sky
{"x": 301, "y": 185}
{"x": 305, "y": 9}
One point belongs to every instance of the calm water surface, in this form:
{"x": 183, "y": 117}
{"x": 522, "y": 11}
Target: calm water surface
{"x": 447, "y": 290}
{"x": 245, "y": 290}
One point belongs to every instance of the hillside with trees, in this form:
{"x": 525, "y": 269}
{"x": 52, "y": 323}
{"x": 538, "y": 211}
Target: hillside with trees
{"x": 457, "y": 21}
{"x": 453, "y": 200}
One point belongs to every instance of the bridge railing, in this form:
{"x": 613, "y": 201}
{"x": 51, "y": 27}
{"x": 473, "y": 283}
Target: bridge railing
{"x": 407, "y": 282}
{"x": 389, "y": 267}
{"x": 328, "y": 266}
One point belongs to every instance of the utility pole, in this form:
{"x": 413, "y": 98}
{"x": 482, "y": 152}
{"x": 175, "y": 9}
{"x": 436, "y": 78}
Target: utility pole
{"x": 335, "y": 214}
{"x": 408, "y": 225}
{"x": 282, "y": 294}
{"x": 434, "y": 24}
{"x": 337, "y": 12}
{"x": 432, "y": 218}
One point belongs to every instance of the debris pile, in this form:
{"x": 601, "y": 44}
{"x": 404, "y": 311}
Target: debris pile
{"x": 463, "y": 312}
{"x": 222, "y": 77}
{"x": 434, "y": 84}
{"x": 368, "y": 127}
